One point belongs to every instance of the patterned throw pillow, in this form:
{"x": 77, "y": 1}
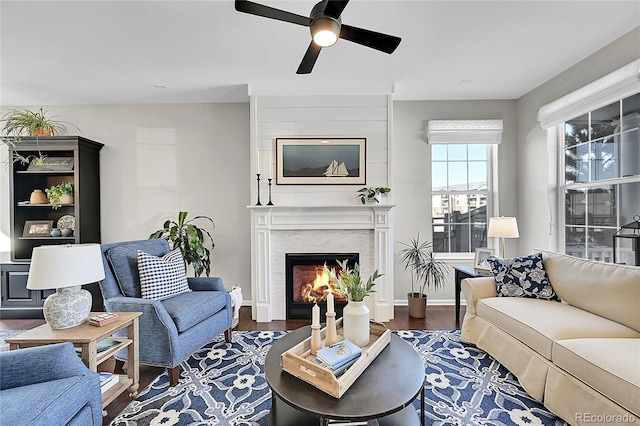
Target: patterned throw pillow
{"x": 162, "y": 277}
{"x": 522, "y": 277}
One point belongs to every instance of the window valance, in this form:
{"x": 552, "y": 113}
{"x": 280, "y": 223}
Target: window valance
{"x": 464, "y": 131}
{"x": 617, "y": 85}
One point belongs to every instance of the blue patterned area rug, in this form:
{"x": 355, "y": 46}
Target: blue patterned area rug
{"x": 224, "y": 384}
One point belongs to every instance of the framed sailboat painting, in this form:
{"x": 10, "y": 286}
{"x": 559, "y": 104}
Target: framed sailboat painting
{"x": 307, "y": 161}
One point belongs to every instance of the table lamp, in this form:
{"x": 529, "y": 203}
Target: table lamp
{"x": 503, "y": 227}
{"x": 65, "y": 268}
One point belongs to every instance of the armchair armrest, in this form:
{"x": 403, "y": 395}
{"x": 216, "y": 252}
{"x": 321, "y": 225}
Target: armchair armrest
{"x": 40, "y": 364}
{"x": 206, "y": 284}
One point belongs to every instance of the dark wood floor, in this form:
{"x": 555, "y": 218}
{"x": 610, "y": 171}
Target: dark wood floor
{"x": 438, "y": 318}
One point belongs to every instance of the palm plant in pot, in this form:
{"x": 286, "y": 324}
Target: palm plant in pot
{"x": 427, "y": 272}
{"x": 190, "y": 238}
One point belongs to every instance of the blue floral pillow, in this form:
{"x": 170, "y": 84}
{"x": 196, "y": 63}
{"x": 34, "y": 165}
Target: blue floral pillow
{"x": 522, "y": 277}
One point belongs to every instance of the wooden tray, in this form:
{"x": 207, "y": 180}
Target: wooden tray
{"x": 297, "y": 361}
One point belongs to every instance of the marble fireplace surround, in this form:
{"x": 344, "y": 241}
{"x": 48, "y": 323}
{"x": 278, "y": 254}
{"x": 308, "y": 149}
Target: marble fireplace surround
{"x": 278, "y": 230}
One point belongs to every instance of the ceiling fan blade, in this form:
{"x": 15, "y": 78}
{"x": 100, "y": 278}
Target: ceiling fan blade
{"x": 383, "y": 42}
{"x": 309, "y": 59}
{"x": 334, "y": 8}
{"x": 271, "y": 12}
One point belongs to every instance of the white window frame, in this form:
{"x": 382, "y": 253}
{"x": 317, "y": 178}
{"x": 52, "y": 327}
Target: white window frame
{"x": 615, "y": 86}
{"x": 486, "y": 132}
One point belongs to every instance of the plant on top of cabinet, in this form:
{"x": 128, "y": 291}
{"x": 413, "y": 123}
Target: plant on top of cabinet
{"x": 21, "y": 122}
{"x": 60, "y": 194}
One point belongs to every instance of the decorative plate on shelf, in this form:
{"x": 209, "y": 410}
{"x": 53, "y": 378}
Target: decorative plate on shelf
{"x": 67, "y": 221}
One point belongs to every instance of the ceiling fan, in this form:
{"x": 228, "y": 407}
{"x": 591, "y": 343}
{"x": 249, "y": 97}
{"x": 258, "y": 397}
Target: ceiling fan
{"x": 326, "y": 27}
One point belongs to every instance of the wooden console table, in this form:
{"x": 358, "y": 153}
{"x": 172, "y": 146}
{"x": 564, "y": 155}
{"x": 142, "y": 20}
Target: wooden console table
{"x": 86, "y": 337}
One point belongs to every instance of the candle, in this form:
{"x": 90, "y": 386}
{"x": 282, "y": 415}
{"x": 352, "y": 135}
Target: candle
{"x": 330, "y": 303}
{"x": 315, "y": 318}
{"x": 258, "y": 162}
{"x": 270, "y": 164}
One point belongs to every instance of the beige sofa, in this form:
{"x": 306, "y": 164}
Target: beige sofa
{"x": 579, "y": 357}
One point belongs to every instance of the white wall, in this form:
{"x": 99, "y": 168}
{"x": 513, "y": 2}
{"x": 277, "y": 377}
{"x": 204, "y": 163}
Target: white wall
{"x": 537, "y": 177}
{"x": 160, "y": 159}
{"x": 411, "y": 175}
{"x": 314, "y": 116}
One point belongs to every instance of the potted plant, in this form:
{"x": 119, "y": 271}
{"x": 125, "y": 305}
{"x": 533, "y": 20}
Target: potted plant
{"x": 60, "y": 194}
{"x": 427, "y": 272}
{"x": 355, "y": 316}
{"x": 21, "y": 122}
{"x": 371, "y": 194}
{"x": 184, "y": 234}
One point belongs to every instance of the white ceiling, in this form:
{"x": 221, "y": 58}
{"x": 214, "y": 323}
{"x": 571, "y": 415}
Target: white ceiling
{"x": 114, "y": 52}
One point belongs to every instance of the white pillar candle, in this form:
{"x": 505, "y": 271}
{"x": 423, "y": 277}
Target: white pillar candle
{"x": 258, "y": 162}
{"x": 270, "y": 164}
{"x": 315, "y": 317}
{"x": 330, "y": 303}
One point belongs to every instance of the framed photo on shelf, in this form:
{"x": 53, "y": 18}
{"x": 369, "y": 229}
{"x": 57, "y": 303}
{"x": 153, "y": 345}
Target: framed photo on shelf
{"x": 482, "y": 253}
{"x": 37, "y": 228}
{"x": 321, "y": 161}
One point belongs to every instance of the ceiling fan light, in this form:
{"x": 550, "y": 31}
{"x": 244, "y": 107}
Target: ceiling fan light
{"x": 325, "y": 32}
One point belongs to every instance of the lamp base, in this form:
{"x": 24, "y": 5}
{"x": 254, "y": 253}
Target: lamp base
{"x": 68, "y": 307}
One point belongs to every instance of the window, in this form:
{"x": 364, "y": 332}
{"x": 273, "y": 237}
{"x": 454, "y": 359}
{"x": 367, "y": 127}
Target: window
{"x": 600, "y": 164}
{"x": 460, "y": 190}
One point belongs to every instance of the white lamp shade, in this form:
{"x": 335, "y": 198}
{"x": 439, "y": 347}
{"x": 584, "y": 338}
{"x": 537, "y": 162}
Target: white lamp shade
{"x": 503, "y": 227}
{"x": 59, "y": 266}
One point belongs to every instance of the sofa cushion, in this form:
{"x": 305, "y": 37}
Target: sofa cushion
{"x": 189, "y": 309}
{"x": 162, "y": 277}
{"x": 538, "y": 323}
{"x": 610, "y": 366}
{"x": 605, "y": 289}
{"x": 124, "y": 263}
{"x": 522, "y": 277}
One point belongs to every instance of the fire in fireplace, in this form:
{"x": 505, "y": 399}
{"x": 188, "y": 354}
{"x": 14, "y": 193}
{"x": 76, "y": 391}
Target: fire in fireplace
{"x": 307, "y": 284}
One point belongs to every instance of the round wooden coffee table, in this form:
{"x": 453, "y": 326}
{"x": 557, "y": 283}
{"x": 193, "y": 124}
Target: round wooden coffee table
{"x": 384, "y": 391}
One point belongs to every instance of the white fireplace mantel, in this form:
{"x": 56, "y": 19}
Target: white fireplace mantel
{"x": 276, "y": 230}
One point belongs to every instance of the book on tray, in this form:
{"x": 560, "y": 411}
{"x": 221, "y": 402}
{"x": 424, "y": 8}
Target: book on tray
{"x": 339, "y": 354}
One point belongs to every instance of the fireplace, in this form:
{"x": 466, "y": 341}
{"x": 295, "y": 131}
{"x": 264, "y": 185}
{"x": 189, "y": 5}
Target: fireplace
{"x": 306, "y": 284}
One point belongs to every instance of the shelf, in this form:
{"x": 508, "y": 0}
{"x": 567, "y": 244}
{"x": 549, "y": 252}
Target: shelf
{"x": 43, "y": 205}
{"x": 47, "y": 238}
{"x": 108, "y": 353}
{"x": 45, "y": 172}
{"x": 112, "y": 393}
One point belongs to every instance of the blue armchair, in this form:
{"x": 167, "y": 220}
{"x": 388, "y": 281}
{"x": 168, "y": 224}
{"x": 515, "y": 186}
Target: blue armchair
{"x": 48, "y": 385}
{"x": 170, "y": 329}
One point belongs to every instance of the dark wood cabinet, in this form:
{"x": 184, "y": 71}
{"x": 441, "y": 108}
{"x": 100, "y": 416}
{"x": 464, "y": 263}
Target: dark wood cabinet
{"x": 84, "y": 213}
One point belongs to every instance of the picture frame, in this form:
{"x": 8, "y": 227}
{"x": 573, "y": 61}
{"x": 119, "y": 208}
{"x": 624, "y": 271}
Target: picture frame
{"x": 37, "y": 228}
{"x": 481, "y": 254}
{"x": 321, "y": 161}
{"x": 52, "y": 164}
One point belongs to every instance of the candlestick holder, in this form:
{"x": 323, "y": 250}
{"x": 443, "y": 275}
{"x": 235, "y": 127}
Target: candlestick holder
{"x": 258, "y": 177}
{"x": 316, "y": 339}
{"x": 332, "y": 332}
{"x": 269, "y": 203}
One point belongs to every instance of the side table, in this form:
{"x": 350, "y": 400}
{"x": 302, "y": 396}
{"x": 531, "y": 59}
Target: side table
{"x": 462, "y": 272}
{"x": 86, "y": 337}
